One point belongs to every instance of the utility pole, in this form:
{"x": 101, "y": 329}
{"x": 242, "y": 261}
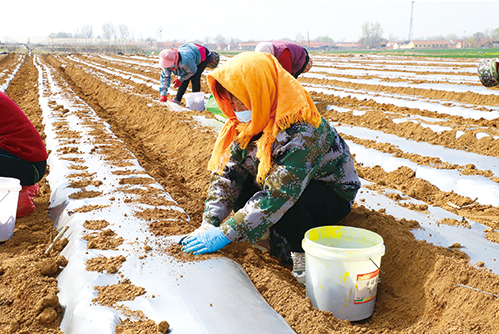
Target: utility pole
{"x": 410, "y": 26}
{"x": 160, "y": 34}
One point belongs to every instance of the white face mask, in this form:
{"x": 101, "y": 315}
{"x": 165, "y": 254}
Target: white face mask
{"x": 243, "y": 116}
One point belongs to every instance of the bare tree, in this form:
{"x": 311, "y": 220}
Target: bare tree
{"x": 77, "y": 34}
{"x": 324, "y": 39}
{"x": 219, "y": 39}
{"x": 479, "y": 38}
{"x": 150, "y": 42}
{"x": 87, "y": 31}
{"x": 392, "y": 37}
{"x": 495, "y": 33}
{"x": 372, "y": 34}
{"x": 299, "y": 38}
{"x": 488, "y": 33}
{"x": 108, "y": 31}
{"x": 61, "y": 35}
{"x": 123, "y": 31}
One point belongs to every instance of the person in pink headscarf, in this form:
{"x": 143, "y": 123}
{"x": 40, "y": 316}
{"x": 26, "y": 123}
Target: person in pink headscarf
{"x": 293, "y": 57}
{"x": 188, "y": 63}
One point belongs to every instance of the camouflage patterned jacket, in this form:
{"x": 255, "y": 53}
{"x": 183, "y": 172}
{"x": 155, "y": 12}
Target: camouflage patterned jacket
{"x": 300, "y": 154}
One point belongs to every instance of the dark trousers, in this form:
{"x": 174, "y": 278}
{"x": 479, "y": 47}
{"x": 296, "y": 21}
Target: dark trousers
{"x": 319, "y": 205}
{"x": 27, "y": 172}
{"x": 195, "y": 79}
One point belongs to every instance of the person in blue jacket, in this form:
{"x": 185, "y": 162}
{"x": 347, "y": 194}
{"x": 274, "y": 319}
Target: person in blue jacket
{"x": 188, "y": 63}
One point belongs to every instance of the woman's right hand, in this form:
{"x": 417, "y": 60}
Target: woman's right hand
{"x": 177, "y": 83}
{"x": 207, "y": 241}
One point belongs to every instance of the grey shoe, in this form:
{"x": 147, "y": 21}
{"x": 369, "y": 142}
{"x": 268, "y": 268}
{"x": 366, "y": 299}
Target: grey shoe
{"x": 299, "y": 266}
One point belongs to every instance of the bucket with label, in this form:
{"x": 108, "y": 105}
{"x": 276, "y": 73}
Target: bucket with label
{"x": 9, "y": 195}
{"x": 342, "y": 269}
{"x": 194, "y": 101}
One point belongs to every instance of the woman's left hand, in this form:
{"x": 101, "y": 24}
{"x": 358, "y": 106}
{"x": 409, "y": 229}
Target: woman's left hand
{"x": 207, "y": 241}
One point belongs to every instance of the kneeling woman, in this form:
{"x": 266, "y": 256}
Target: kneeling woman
{"x": 22, "y": 152}
{"x": 276, "y": 163}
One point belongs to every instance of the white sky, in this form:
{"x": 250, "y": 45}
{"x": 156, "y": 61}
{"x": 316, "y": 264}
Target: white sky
{"x": 247, "y": 20}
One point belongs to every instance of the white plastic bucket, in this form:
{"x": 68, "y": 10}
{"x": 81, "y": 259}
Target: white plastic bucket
{"x": 9, "y": 195}
{"x": 194, "y": 101}
{"x": 342, "y": 268}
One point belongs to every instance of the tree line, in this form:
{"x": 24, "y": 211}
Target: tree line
{"x": 371, "y": 36}
{"x": 109, "y": 31}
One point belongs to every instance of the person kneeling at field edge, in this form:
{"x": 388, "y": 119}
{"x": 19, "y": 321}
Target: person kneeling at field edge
{"x": 276, "y": 163}
{"x": 22, "y": 153}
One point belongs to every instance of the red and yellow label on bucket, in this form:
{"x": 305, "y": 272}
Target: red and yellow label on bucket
{"x": 367, "y": 285}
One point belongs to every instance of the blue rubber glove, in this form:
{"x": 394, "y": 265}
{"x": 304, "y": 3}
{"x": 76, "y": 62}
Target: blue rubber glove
{"x": 203, "y": 227}
{"x": 207, "y": 241}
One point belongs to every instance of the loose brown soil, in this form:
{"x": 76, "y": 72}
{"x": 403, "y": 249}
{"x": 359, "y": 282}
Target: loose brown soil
{"x": 419, "y": 290}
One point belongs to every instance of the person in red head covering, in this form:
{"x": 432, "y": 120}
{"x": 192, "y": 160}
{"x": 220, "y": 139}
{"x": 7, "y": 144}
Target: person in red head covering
{"x": 293, "y": 57}
{"x": 22, "y": 152}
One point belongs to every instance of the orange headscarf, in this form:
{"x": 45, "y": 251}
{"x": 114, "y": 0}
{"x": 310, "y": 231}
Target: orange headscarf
{"x": 275, "y": 98}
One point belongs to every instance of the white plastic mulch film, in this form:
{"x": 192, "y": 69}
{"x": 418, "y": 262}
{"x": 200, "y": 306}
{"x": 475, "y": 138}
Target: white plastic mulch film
{"x": 213, "y": 296}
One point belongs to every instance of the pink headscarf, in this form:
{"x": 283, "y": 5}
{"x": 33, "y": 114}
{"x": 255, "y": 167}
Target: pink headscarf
{"x": 167, "y": 58}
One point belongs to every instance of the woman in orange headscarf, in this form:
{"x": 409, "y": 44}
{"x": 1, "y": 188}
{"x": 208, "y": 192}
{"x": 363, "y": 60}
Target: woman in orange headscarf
{"x": 276, "y": 163}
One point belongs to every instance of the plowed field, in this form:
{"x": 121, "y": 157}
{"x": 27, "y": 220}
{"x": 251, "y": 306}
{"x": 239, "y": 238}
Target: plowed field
{"x": 424, "y": 100}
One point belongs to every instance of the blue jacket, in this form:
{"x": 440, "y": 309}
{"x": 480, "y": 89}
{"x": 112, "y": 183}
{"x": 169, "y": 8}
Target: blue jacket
{"x": 187, "y": 66}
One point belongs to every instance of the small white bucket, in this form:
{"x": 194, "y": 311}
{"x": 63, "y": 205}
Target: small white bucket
{"x": 342, "y": 268}
{"x": 9, "y": 195}
{"x": 194, "y": 101}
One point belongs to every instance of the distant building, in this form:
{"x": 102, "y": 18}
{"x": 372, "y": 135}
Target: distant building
{"x": 392, "y": 46}
{"x": 167, "y": 45}
{"x": 439, "y": 44}
{"x": 318, "y": 46}
{"x": 309, "y": 45}
{"x": 347, "y": 46}
{"x": 248, "y": 46}
{"x": 458, "y": 43}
